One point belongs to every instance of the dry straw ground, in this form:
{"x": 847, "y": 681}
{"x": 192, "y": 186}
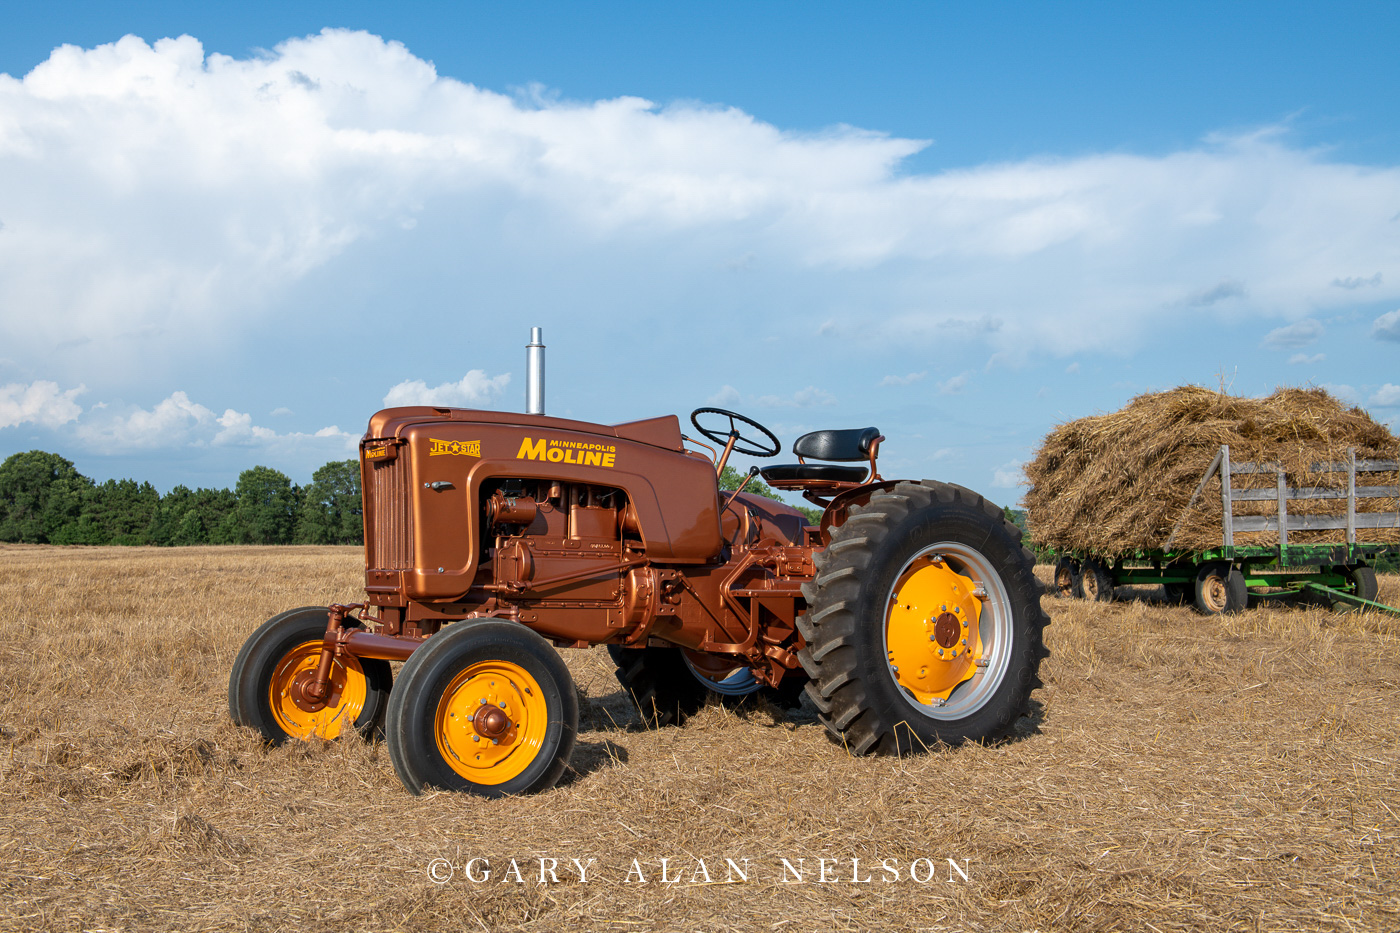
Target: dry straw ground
{"x": 1120, "y": 481}
{"x": 1183, "y": 774}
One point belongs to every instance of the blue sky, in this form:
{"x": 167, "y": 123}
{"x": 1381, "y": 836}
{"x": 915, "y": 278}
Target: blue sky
{"x": 963, "y": 223}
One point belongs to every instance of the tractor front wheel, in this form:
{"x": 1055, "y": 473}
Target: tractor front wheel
{"x": 924, "y": 623}
{"x": 483, "y": 707}
{"x": 262, "y": 688}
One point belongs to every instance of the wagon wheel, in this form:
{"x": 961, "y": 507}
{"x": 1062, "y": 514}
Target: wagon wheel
{"x": 276, "y": 660}
{"x": 1220, "y": 588}
{"x": 1095, "y": 582}
{"x": 483, "y": 707}
{"x": 923, "y": 624}
{"x": 1066, "y": 581}
{"x": 1363, "y": 584}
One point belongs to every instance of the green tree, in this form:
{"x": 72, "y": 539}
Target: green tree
{"x": 331, "y": 506}
{"x": 119, "y": 511}
{"x": 266, "y": 510}
{"x": 40, "y": 494}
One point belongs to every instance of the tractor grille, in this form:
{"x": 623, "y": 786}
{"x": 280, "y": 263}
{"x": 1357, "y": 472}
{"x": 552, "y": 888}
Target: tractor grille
{"x": 391, "y": 515}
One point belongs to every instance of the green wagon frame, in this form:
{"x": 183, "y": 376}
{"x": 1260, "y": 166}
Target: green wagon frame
{"x": 1219, "y": 579}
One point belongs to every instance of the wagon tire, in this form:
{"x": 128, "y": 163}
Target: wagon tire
{"x": 1220, "y": 589}
{"x": 486, "y": 708}
{"x": 1095, "y": 582}
{"x": 920, "y": 569}
{"x": 1363, "y": 584}
{"x": 1066, "y": 582}
{"x": 288, "y": 644}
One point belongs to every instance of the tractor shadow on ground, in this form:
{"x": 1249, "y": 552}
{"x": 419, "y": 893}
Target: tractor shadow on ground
{"x": 589, "y": 757}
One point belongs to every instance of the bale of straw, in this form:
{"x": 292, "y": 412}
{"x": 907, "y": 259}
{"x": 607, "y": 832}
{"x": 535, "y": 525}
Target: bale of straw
{"x": 1119, "y": 482}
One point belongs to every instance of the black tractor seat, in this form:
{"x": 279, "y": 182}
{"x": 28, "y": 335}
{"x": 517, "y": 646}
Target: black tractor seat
{"x": 848, "y": 445}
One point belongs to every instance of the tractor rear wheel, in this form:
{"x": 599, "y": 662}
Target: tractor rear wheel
{"x": 924, "y": 623}
{"x": 286, "y": 647}
{"x": 1066, "y": 581}
{"x": 483, "y": 707}
{"x": 1220, "y": 589}
{"x": 1095, "y": 582}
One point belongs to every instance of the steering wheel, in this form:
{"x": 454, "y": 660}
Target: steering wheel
{"x": 723, "y": 437}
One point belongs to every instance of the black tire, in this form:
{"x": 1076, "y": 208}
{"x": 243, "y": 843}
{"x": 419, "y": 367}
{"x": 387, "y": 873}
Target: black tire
{"x": 1066, "y": 583}
{"x": 1220, "y": 589}
{"x": 925, "y": 538}
{"x": 279, "y": 647}
{"x": 1363, "y": 584}
{"x": 1095, "y": 582}
{"x": 659, "y": 684}
{"x": 666, "y": 690}
{"x": 498, "y": 666}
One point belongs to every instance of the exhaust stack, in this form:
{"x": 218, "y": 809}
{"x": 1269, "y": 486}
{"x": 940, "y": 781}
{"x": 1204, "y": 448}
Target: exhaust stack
{"x": 534, "y": 373}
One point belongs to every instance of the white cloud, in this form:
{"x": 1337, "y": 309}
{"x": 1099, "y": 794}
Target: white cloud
{"x": 810, "y": 397}
{"x": 1298, "y": 334}
{"x": 1304, "y": 358}
{"x": 1218, "y": 293}
{"x": 39, "y": 402}
{"x": 1353, "y": 282}
{"x": 1072, "y": 368}
{"x": 1344, "y": 392}
{"x": 278, "y": 412}
{"x": 155, "y": 191}
{"x": 728, "y": 395}
{"x": 1009, "y": 474}
{"x": 472, "y": 391}
{"x": 1387, "y": 326}
{"x": 178, "y": 421}
{"x": 1387, "y": 395}
{"x": 954, "y": 385}
{"x": 903, "y": 380}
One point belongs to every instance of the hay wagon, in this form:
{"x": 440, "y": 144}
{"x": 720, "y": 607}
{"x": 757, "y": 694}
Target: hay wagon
{"x": 1220, "y": 578}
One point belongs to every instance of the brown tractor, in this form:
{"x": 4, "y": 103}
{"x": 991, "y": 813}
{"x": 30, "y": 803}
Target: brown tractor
{"x": 910, "y": 614}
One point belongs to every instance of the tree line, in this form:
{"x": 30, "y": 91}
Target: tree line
{"x": 45, "y": 500}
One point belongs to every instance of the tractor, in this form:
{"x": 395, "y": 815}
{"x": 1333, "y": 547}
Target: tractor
{"x": 909, "y": 615}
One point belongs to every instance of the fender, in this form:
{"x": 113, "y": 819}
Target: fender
{"x": 835, "y": 514}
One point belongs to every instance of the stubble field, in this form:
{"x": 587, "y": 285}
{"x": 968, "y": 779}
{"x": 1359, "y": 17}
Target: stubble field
{"x": 1179, "y": 773}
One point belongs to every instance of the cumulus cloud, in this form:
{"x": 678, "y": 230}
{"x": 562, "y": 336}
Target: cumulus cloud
{"x": 1298, "y": 334}
{"x": 1218, "y": 293}
{"x": 954, "y": 385}
{"x": 1387, "y": 395}
{"x": 1344, "y": 392}
{"x": 154, "y": 189}
{"x": 1009, "y": 474}
{"x": 810, "y": 397}
{"x": 1353, "y": 282}
{"x": 178, "y": 421}
{"x": 903, "y": 380}
{"x": 1387, "y": 326}
{"x": 472, "y": 390}
{"x": 40, "y": 402}
{"x": 1303, "y": 358}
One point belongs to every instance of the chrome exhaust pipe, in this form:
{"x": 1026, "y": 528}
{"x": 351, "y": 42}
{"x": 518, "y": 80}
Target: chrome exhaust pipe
{"x": 534, "y": 372}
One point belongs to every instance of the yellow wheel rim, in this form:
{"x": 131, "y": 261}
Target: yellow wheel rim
{"x": 932, "y": 630}
{"x": 347, "y": 693}
{"x": 491, "y": 721}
